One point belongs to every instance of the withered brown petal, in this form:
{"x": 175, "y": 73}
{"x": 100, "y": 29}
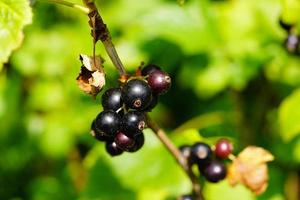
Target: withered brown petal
{"x": 91, "y": 78}
{"x": 250, "y": 169}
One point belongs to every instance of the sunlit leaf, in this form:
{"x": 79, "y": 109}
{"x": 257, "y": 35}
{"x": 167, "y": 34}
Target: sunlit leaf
{"x": 289, "y": 116}
{"x": 14, "y": 15}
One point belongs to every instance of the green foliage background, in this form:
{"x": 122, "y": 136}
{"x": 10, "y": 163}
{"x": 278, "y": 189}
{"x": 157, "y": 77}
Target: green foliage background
{"x": 231, "y": 78}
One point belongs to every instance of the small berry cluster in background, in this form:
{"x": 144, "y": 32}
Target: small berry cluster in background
{"x": 208, "y": 159}
{"x": 292, "y": 42}
{"x": 120, "y": 125}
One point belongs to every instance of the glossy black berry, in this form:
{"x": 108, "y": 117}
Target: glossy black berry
{"x": 214, "y": 171}
{"x": 223, "y": 148}
{"x": 108, "y": 123}
{"x": 136, "y": 94}
{"x": 186, "y": 197}
{"x": 201, "y": 153}
{"x": 159, "y": 82}
{"x": 152, "y": 104}
{"x": 99, "y": 135}
{"x": 186, "y": 151}
{"x": 139, "y": 141}
{"x": 123, "y": 141}
{"x": 133, "y": 122}
{"x": 111, "y": 99}
{"x": 112, "y": 148}
{"x": 285, "y": 26}
{"x": 292, "y": 43}
{"x": 148, "y": 69}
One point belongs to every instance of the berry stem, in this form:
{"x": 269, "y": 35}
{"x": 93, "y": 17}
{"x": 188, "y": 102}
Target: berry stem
{"x": 104, "y": 36}
{"x": 162, "y": 136}
{"x": 69, "y": 4}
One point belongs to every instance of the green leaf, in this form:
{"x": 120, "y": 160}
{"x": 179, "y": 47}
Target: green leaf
{"x": 14, "y": 15}
{"x": 289, "y": 116}
{"x": 214, "y": 191}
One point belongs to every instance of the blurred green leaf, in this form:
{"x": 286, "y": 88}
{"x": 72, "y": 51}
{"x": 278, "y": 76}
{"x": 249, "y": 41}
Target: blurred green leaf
{"x": 214, "y": 191}
{"x": 289, "y": 116}
{"x": 14, "y": 15}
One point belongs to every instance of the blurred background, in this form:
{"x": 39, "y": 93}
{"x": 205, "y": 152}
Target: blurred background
{"x": 232, "y": 77}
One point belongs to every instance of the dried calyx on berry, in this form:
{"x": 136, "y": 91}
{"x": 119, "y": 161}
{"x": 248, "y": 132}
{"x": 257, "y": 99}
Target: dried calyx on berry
{"x": 136, "y": 94}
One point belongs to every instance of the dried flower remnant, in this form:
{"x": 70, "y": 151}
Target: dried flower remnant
{"x": 91, "y": 78}
{"x": 250, "y": 169}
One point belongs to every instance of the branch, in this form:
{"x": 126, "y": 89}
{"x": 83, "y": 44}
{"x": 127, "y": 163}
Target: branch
{"x": 162, "y": 136}
{"x": 101, "y": 32}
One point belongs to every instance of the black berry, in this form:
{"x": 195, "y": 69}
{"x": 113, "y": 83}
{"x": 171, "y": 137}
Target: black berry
{"x": 133, "y": 122}
{"x": 136, "y": 94}
{"x": 159, "y": 81}
{"x": 201, "y": 153}
{"x": 223, "y": 148}
{"x": 99, "y": 135}
{"x": 111, "y": 99}
{"x": 148, "y": 69}
{"x": 152, "y": 104}
{"x": 139, "y": 142}
{"x": 107, "y": 122}
{"x": 112, "y": 148}
{"x": 123, "y": 141}
{"x": 215, "y": 171}
{"x": 186, "y": 151}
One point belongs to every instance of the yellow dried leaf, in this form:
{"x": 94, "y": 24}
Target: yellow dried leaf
{"x": 250, "y": 169}
{"x": 91, "y": 78}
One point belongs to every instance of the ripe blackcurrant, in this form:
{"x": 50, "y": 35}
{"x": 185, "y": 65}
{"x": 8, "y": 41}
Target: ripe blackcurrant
{"x": 99, "y": 135}
{"x": 186, "y": 197}
{"x": 123, "y": 141}
{"x": 148, "y": 69}
{"x": 214, "y": 171}
{"x": 112, "y": 148}
{"x": 107, "y": 122}
{"x": 139, "y": 142}
{"x": 136, "y": 94}
{"x": 111, "y": 99}
{"x": 223, "y": 148}
{"x": 186, "y": 151}
{"x": 201, "y": 153}
{"x": 133, "y": 122}
{"x": 152, "y": 104}
{"x": 159, "y": 81}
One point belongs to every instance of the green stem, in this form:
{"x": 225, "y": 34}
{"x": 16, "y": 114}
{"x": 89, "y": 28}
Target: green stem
{"x": 81, "y": 8}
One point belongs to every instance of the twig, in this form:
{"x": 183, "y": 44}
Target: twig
{"x": 160, "y": 133}
{"x": 69, "y": 4}
{"x": 101, "y": 32}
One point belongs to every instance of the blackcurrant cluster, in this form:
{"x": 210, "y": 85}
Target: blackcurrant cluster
{"x": 209, "y": 160}
{"x": 292, "y": 41}
{"x": 122, "y": 120}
